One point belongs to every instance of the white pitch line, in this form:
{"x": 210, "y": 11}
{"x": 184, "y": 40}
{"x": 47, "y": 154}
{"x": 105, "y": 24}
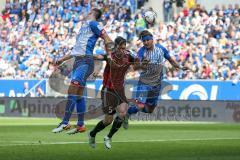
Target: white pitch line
{"x": 29, "y": 143}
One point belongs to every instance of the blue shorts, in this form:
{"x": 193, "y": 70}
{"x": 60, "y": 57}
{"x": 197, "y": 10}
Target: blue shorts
{"x": 83, "y": 67}
{"x": 148, "y": 94}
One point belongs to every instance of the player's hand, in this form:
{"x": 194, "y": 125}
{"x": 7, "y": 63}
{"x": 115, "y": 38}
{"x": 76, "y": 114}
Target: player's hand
{"x": 145, "y": 63}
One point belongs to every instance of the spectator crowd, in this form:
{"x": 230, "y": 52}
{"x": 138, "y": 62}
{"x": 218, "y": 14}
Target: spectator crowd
{"x": 36, "y": 32}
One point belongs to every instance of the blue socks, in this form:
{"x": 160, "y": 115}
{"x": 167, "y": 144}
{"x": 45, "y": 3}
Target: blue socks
{"x": 71, "y": 102}
{"x": 81, "y": 108}
{"x": 134, "y": 109}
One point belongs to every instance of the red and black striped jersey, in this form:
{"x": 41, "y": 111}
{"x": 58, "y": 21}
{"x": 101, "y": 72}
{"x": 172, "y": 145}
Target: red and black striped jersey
{"x": 116, "y": 69}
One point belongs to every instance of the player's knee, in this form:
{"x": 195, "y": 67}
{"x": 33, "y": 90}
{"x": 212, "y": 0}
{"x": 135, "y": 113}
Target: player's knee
{"x": 122, "y": 110}
{"x": 108, "y": 120}
{"x": 122, "y": 115}
{"x": 76, "y": 84}
{"x": 75, "y": 88}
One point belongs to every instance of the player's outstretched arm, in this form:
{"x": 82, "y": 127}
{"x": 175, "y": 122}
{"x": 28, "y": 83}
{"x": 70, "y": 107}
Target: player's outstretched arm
{"x": 64, "y": 58}
{"x": 172, "y": 61}
{"x": 109, "y": 44}
{"x": 176, "y": 65}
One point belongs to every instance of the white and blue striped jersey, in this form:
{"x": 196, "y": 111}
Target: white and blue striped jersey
{"x": 154, "y": 72}
{"x": 87, "y": 37}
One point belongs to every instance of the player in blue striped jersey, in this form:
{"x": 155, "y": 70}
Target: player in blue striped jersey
{"x": 83, "y": 67}
{"x": 149, "y": 83}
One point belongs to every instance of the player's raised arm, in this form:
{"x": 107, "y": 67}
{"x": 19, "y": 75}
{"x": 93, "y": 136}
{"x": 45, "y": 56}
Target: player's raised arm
{"x": 173, "y": 62}
{"x": 99, "y": 31}
{"x": 64, "y": 58}
{"x": 109, "y": 44}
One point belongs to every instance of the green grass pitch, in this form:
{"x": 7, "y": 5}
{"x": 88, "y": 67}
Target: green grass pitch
{"x": 31, "y": 139}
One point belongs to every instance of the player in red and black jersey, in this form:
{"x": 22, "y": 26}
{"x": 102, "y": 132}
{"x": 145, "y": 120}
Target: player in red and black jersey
{"x": 112, "y": 94}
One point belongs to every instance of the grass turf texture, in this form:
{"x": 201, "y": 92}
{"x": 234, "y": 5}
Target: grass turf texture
{"x": 31, "y": 138}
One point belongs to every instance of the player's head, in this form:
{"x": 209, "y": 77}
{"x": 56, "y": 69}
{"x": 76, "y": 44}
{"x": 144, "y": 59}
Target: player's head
{"x": 147, "y": 39}
{"x": 95, "y": 14}
{"x": 120, "y": 44}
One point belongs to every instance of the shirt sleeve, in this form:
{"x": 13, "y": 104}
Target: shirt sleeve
{"x": 165, "y": 51}
{"x": 140, "y": 53}
{"x": 96, "y": 28}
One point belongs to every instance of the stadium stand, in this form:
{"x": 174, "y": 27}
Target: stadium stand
{"x": 35, "y": 32}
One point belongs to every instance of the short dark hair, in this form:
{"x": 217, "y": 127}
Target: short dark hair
{"x": 119, "y": 41}
{"x": 98, "y": 13}
{"x": 145, "y": 33}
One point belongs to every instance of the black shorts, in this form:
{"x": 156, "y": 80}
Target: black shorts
{"x": 111, "y": 98}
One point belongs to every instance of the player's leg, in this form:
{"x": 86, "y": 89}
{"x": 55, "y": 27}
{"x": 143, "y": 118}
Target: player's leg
{"x": 71, "y": 103}
{"x": 107, "y": 101}
{"x": 151, "y": 100}
{"x": 81, "y": 109}
{"x": 81, "y": 70}
{"x": 141, "y": 95}
{"x": 99, "y": 127}
{"x": 134, "y": 106}
{"x": 122, "y": 107}
{"x": 117, "y": 123}
{"x": 84, "y": 68}
{"x": 137, "y": 104}
{"x": 147, "y": 97}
